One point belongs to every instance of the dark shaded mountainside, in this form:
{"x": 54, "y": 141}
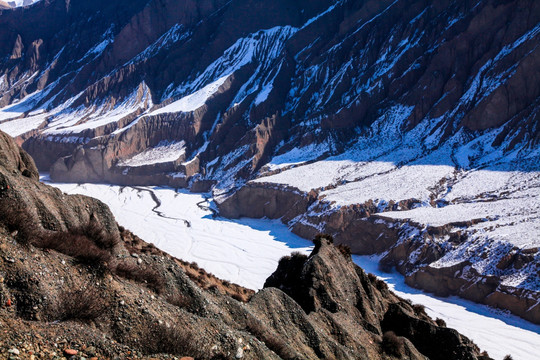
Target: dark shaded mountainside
{"x": 72, "y": 282}
{"x": 301, "y": 72}
{"x": 408, "y": 128}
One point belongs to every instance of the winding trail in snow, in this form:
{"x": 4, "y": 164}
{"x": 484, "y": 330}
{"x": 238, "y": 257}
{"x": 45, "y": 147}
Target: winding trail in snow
{"x": 156, "y": 200}
{"x": 203, "y": 207}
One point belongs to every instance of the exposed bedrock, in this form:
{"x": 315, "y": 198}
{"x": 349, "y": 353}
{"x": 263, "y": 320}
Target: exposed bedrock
{"x": 265, "y": 200}
{"x": 368, "y": 234}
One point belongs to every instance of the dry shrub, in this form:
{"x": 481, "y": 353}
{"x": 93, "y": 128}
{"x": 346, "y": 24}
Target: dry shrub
{"x": 79, "y": 304}
{"x": 142, "y": 274}
{"x": 16, "y": 218}
{"x": 97, "y": 233}
{"x": 392, "y": 344}
{"x": 170, "y": 339}
{"x": 381, "y": 285}
{"x": 179, "y": 300}
{"x": 272, "y": 341}
{"x": 318, "y": 241}
{"x": 78, "y": 246}
{"x": 419, "y": 309}
{"x": 345, "y": 250}
{"x": 440, "y": 322}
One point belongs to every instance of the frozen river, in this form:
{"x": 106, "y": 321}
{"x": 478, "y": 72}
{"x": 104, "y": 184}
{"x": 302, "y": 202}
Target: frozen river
{"x": 247, "y": 251}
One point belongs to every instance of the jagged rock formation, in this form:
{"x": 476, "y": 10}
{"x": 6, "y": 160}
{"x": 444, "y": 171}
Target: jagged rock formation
{"x": 113, "y": 308}
{"x": 405, "y": 108}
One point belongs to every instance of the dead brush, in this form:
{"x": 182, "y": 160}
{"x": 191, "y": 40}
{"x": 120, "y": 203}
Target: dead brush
{"x": 16, "y": 218}
{"x": 82, "y": 304}
{"x": 179, "y": 300}
{"x": 172, "y": 338}
{"x": 76, "y": 245}
{"x": 141, "y": 274}
{"x": 392, "y": 344}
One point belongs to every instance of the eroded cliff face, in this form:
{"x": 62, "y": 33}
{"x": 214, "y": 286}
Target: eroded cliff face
{"x": 239, "y": 93}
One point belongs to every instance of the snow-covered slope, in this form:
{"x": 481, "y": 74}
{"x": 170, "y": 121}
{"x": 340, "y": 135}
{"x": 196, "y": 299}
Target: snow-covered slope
{"x": 461, "y": 209}
{"x": 17, "y": 3}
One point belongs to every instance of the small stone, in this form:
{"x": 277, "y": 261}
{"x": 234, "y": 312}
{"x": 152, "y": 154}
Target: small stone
{"x": 14, "y": 351}
{"x": 135, "y": 255}
{"x": 239, "y": 353}
{"x": 139, "y": 261}
{"x": 122, "y": 303}
{"x": 70, "y": 352}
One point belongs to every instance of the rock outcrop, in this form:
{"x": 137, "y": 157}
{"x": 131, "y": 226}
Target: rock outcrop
{"x": 411, "y": 248}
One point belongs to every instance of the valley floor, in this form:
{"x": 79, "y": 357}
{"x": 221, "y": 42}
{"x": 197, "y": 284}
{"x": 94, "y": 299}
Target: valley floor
{"x": 247, "y": 251}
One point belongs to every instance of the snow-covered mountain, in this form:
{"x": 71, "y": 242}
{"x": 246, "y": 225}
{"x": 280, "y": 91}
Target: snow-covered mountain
{"x": 408, "y": 128}
{"x": 17, "y": 3}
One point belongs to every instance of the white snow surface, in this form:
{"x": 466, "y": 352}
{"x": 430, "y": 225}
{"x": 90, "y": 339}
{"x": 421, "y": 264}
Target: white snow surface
{"x": 488, "y": 194}
{"x": 165, "y": 151}
{"x": 247, "y": 251}
{"x": 193, "y": 101}
{"x": 22, "y": 2}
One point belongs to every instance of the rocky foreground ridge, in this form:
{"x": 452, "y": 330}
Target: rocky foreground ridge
{"x": 72, "y": 282}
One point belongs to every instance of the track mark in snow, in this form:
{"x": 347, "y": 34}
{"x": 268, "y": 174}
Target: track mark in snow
{"x": 158, "y": 204}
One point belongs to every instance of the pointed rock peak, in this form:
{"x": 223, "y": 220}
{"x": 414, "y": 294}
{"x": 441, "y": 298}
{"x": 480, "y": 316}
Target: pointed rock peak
{"x": 18, "y": 48}
{"x": 329, "y": 280}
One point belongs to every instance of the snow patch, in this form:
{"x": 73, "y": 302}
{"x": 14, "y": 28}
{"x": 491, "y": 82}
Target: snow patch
{"x": 164, "y": 151}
